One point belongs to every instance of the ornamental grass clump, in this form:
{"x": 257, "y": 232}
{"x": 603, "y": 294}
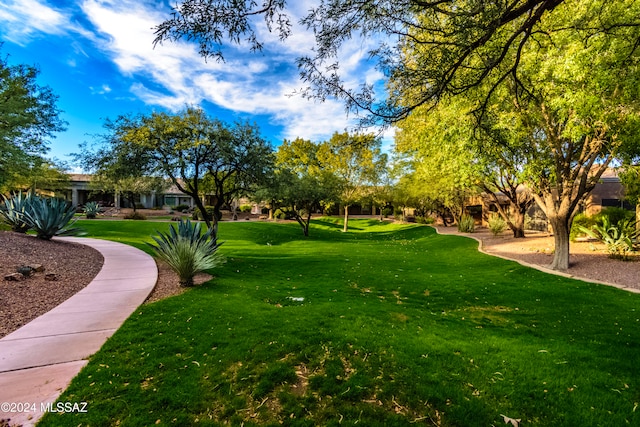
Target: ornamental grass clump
{"x": 187, "y": 250}
{"x": 466, "y": 224}
{"x": 12, "y": 211}
{"x": 50, "y": 217}
{"x": 496, "y": 224}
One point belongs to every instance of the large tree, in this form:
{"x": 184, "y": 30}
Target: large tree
{"x": 463, "y": 43}
{"x": 571, "y": 109}
{"x": 300, "y": 185}
{"x": 119, "y": 166}
{"x": 187, "y": 148}
{"x": 29, "y": 117}
{"x": 357, "y": 161}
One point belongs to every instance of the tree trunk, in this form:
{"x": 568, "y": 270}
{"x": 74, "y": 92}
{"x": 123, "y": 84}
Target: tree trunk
{"x": 518, "y": 223}
{"x": 346, "y": 219}
{"x": 561, "y": 228}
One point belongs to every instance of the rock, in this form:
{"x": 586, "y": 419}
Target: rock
{"x": 38, "y": 268}
{"x": 14, "y": 277}
{"x": 51, "y": 277}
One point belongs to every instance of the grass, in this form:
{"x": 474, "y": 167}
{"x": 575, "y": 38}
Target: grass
{"x": 397, "y": 326}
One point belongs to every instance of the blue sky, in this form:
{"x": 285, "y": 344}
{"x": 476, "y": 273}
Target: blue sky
{"x": 98, "y": 56}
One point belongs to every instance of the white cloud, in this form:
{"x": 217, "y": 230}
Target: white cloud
{"x": 22, "y": 19}
{"x": 244, "y": 83}
{"x": 173, "y": 75}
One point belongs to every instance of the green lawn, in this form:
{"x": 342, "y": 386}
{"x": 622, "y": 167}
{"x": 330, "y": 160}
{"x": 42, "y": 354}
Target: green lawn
{"x": 398, "y": 326}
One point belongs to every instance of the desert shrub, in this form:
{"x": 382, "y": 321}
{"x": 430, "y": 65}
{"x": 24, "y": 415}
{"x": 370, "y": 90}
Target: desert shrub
{"x": 181, "y": 208}
{"x": 466, "y": 224}
{"x": 245, "y": 208}
{"x": 50, "y": 217}
{"x": 581, "y": 221}
{"x": 424, "y": 219}
{"x": 496, "y": 224}
{"x": 187, "y": 250}
{"x": 12, "y": 211}
{"x": 91, "y": 210}
{"x": 135, "y": 215}
{"x": 615, "y": 215}
{"x": 618, "y": 238}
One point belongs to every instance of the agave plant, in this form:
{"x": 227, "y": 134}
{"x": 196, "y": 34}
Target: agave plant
{"x": 91, "y": 210}
{"x": 618, "y": 238}
{"x": 13, "y": 211}
{"x": 50, "y": 217}
{"x": 187, "y": 250}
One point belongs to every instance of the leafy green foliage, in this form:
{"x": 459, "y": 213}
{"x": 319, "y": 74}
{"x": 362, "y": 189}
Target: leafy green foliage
{"x": 29, "y": 117}
{"x": 91, "y": 209}
{"x": 50, "y": 216}
{"x": 496, "y": 224}
{"x": 13, "y": 211}
{"x": 618, "y": 238}
{"x": 580, "y": 222}
{"x": 614, "y": 215}
{"x": 197, "y": 153}
{"x": 466, "y": 224}
{"x": 187, "y": 250}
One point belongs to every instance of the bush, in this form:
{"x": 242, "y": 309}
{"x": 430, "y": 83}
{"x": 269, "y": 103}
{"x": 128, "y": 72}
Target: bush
{"x": 497, "y": 225}
{"x": 615, "y": 215}
{"x": 466, "y": 224}
{"x": 181, "y": 208}
{"x": 135, "y": 215}
{"x": 187, "y": 251}
{"x": 581, "y": 221}
{"x": 91, "y": 210}
{"x": 50, "y": 217}
{"x": 13, "y": 209}
{"x": 245, "y": 208}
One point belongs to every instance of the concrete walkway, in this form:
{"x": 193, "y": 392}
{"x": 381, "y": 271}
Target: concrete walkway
{"x": 38, "y": 361}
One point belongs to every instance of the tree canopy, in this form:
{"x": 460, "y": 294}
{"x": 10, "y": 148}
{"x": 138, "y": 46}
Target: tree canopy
{"x": 200, "y": 155}
{"x": 558, "y": 123}
{"x": 29, "y": 117}
{"x": 454, "y": 45}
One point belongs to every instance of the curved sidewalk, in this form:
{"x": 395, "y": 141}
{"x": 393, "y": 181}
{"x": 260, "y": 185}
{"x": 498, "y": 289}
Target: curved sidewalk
{"x": 39, "y": 360}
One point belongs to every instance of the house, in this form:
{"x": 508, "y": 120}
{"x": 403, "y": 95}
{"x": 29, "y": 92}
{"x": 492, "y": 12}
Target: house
{"x": 82, "y": 191}
{"x": 608, "y": 192}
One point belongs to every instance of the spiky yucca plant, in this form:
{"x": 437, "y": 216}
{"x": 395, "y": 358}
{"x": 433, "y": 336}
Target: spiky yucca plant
{"x": 13, "y": 209}
{"x": 187, "y": 250}
{"x": 91, "y": 210}
{"x": 50, "y": 217}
